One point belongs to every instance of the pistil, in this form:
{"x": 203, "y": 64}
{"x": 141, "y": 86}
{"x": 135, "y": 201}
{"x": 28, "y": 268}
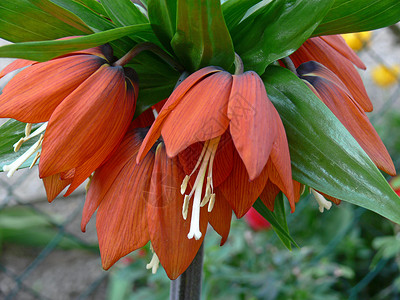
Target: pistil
{"x": 205, "y": 161}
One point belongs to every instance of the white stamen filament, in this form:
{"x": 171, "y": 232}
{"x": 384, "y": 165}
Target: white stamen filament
{"x": 153, "y": 264}
{"x": 155, "y": 113}
{"x": 322, "y": 202}
{"x": 198, "y": 187}
{"x": 11, "y": 168}
{"x": 28, "y": 136}
{"x": 205, "y": 161}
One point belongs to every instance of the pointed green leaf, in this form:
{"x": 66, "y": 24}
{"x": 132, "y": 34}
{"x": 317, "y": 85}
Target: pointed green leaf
{"x": 10, "y": 133}
{"x": 93, "y": 20}
{"x": 95, "y": 6}
{"x": 275, "y": 30}
{"x": 22, "y": 21}
{"x": 324, "y": 155}
{"x": 277, "y": 222}
{"x": 359, "y": 15}
{"x": 45, "y": 50}
{"x": 162, "y": 15}
{"x": 62, "y": 14}
{"x": 124, "y": 12}
{"x": 235, "y": 10}
{"x": 202, "y": 38}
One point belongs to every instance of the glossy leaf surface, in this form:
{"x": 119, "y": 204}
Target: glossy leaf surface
{"x": 20, "y": 21}
{"x": 359, "y": 15}
{"x": 324, "y": 155}
{"x": 162, "y": 15}
{"x": 202, "y": 37}
{"x": 45, "y": 50}
{"x": 277, "y": 219}
{"x": 275, "y": 30}
{"x": 124, "y": 12}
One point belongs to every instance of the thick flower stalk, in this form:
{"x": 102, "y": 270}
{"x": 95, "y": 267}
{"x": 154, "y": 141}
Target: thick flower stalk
{"x": 88, "y": 104}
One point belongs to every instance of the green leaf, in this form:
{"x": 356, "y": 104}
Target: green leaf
{"x": 277, "y": 221}
{"x": 359, "y": 15}
{"x": 45, "y": 50}
{"x": 235, "y": 10}
{"x": 62, "y": 14}
{"x": 275, "y": 30}
{"x": 95, "y": 6}
{"x": 162, "y": 15}
{"x": 10, "y": 133}
{"x": 324, "y": 155}
{"x": 124, "y": 12}
{"x": 93, "y": 20}
{"x": 202, "y": 38}
{"x": 22, "y": 21}
{"x": 157, "y": 80}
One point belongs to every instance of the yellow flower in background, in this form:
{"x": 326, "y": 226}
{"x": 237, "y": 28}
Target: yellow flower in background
{"x": 384, "y": 76}
{"x": 357, "y": 40}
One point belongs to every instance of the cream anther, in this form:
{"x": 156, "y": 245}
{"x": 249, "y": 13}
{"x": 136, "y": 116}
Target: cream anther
{"x": 11, "y": 168}
{"x": 322, "y": 202}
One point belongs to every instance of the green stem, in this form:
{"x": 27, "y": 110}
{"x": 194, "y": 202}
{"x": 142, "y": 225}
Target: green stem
{"x": 289, "y": 64}
{"x": 147, "y": 46}
{"x": 239, "y": 67}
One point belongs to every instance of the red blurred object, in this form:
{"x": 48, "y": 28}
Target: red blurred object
{"x": 395, "y": 184}
{"x": 256, "y": 221}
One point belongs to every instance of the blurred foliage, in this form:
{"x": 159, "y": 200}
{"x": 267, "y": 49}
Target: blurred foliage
{"x": 346, "y": 253}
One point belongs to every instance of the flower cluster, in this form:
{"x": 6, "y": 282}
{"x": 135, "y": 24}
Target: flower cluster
{"x": 217, "y": 145}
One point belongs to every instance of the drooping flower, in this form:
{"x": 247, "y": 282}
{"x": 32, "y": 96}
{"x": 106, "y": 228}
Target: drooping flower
{"x": 88, "y": 104}
{"x": 333, "y": 52}
{"x": 334, "y": 93}
{"x": 142, "y": 202}
{"x": 213, "y": 113}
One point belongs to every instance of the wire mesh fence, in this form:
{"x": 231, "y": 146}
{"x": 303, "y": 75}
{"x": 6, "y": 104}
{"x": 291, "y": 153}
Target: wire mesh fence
{"x": 45, "y": 256}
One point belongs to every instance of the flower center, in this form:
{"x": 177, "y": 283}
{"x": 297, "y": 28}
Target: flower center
{"x": 205, "y": 161}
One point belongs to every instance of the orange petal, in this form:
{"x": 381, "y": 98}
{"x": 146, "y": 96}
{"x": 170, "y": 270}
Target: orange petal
{"x": 105, "y": 176}
{"x": 83, "y": 171}
{"x": 279, "y": 167}
{"x": 15, "y": 65}
{"x": 297, "y": 190}
{"x": 313, "y": 68}
{"x": 80, "y": 134}
{"x": 355, "y": 120}
{"x": 34, "y": 93}
{"x": 172, "y": 102}
{"x": 54, "y": 185}
{"x": 339, "y": 44}
{"x": 269, "y": 194}
{"x": 318, "y": 50}
{"x": 221, "y": 215}
{"x": 167, "y": 228}
{"x": 121, "y": 219}
{"x": 252, "y": 124}
{"x": 238, "y": 190}
{"x": 200, "y": 115}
